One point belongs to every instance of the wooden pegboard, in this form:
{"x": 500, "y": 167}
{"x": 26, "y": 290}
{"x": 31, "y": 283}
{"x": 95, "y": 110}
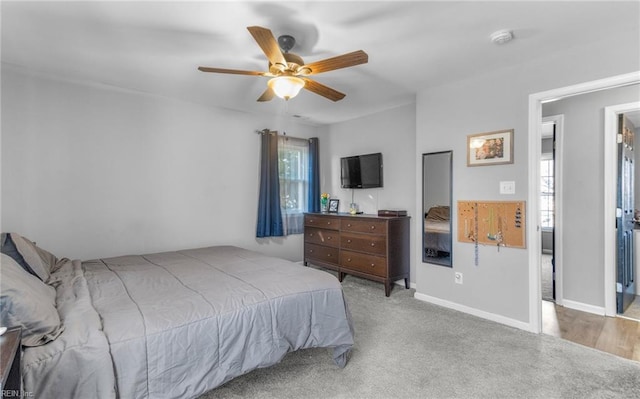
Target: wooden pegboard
{"x": 493, "y": 222}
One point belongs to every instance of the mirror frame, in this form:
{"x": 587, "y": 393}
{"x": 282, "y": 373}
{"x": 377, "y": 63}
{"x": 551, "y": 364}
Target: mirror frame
{"x": 448, "y": 262}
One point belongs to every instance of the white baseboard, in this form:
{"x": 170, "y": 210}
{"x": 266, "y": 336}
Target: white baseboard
{"x": 583, "y": 307}
{"x": 475, "y": 312}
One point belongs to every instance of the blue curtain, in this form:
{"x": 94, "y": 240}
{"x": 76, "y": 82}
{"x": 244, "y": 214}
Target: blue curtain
{"x": 269, "y": 213}
{"x": 313, "y": 200}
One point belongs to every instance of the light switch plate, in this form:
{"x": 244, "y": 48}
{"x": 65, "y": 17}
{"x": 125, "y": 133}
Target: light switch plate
{"x": 507, "y": 187}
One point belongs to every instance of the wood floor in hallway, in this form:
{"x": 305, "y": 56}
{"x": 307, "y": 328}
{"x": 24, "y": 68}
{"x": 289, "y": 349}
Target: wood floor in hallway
{"x": 616, "y": 335}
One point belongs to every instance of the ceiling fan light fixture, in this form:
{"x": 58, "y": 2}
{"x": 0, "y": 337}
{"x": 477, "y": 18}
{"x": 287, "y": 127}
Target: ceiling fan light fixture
{"x": 286, "y": 87}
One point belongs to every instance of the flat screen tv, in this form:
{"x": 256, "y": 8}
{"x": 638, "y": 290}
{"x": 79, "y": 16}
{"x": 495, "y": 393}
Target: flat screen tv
{"x": 361, "y": 171}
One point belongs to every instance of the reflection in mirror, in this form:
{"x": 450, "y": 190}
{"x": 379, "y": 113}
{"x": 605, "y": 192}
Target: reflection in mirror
{"x": 436, "y": 207}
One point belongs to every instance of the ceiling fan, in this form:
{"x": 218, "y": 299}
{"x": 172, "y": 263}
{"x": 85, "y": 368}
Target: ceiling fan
{"x": 288, "y": 72}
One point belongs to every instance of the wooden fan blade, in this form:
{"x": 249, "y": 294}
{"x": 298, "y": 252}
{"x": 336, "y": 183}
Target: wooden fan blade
{"x": 323, "y": 90}
{"x": 341, "y": 61}
{"x": 267, "y": 95}
{"x": 231, "y": 71}
{"x": 268, "y": 44}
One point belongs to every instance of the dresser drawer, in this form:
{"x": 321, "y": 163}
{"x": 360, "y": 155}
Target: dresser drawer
{"x": 325, "y": 222}
{"x": 373, "y": 226}
{"x": 320, "y": 253}
{"x": 370, "y": 243}
{"x": 322, "y": 236}
{"x": 370, "y": 264}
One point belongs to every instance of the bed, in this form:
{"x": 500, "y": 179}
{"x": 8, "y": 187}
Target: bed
{"x": 167, "y": 325}
{"x": 437, "y": 232}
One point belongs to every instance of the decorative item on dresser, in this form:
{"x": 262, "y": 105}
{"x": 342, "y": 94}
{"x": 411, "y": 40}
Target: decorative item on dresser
{"x": 368, "y": 246}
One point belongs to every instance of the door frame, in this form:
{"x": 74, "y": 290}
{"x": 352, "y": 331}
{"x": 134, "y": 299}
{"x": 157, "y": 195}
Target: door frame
{"x": 557, "y": 202}
{"x": 610, "y": 199}
{"x": 535, "y": 148}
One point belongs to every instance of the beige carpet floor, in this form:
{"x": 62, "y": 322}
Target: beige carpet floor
{"x": 405, "y": 348}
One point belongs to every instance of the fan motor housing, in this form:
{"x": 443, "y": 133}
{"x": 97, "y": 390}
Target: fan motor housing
{"x": 294, "y": 62}
{"x": 293, "y": 58}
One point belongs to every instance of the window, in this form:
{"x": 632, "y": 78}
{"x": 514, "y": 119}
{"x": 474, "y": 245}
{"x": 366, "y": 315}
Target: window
{"x": 546, "y": 193}
{"x": 293, "y": 173}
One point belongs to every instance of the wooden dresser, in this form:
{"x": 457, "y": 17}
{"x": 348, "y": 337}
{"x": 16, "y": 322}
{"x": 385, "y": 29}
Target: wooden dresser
{"x": 368, "y": 246}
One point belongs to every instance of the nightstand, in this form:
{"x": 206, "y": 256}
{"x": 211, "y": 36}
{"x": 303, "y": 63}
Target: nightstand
{"x": 10, "y": 362}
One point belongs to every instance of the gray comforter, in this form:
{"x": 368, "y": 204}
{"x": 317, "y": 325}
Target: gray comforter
{"x": 77, "y": 364}
{"x": 181, "y": 323}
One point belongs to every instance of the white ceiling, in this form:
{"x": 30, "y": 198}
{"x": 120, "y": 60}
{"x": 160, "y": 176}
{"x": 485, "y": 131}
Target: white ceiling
{"x": 156, "y": 47}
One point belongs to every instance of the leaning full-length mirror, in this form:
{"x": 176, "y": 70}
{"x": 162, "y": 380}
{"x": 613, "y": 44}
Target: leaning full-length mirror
{"x": 436, "y": 207}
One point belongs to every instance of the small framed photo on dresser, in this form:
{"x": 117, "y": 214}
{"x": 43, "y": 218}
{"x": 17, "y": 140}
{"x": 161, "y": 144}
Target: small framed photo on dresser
{"x": 333, "y": 205}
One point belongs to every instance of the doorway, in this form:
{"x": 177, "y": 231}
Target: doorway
{"x": 550, "y": 178}
{"x": 608, "y": 210}
{"x": 627, "y": 216}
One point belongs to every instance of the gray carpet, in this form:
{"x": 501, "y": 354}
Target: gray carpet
{"x": 406, "y": 348}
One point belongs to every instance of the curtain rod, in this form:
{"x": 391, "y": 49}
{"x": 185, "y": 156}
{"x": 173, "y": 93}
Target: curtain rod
{"x": 284, "y": 134}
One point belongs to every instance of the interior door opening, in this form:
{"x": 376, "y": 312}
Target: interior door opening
{"x": 627, "y": 287}
{"x": 536, "y": 102}
{"x": 547, "y": 210}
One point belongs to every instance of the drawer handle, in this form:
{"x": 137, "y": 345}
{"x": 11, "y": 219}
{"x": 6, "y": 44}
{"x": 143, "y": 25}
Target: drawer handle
{"x": 311, "y": 251}
{"x": 373, "y": 227}
{"x": 329, "y": 237}
{"x": 373, "y": 244}
{"x": 328, "y": 255}
{"x": 348, "y": 224}
{"x": 310, "y": 234}
{"x": 310, "y": 220}
{"x": 328, "y": 223}
{"x": 373, "y": 265}
{"x": 349, "y": 241}
{"x": 348, "y": 259}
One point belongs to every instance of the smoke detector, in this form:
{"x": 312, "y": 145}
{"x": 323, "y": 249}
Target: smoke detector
{"x": 502, "y": 36}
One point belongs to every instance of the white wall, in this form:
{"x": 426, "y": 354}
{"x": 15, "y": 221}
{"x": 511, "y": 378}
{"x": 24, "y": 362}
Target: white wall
{"x": 583, "y": 188}
{"x": 92, "y": 171}
{"x": 498, "y": 288}
{"x": 390, "y": 132}
{"x": 498, "y": 283}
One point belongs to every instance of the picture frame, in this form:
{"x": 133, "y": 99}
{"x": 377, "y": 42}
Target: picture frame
{"x": 333, "y": 205}
{"x": 490, "y": 148}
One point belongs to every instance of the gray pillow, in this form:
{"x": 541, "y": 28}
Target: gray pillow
{"x": 38, "y": 259}
{"x": 29, "y": 303}
{"x": 7, "y": 247}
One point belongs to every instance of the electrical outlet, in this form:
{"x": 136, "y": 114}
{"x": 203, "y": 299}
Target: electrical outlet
{"x": 458, "y": 278}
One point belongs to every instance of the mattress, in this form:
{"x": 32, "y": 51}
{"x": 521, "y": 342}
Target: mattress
{"x": 178, "y": 324}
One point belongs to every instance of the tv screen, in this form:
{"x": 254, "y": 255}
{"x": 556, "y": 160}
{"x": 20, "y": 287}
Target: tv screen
{"x": 361, "y": 171}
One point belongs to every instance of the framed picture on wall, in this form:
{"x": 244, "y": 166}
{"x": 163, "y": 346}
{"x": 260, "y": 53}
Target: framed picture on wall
{"x": 333, "y": 205}
{"x": 491, "y": 148}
